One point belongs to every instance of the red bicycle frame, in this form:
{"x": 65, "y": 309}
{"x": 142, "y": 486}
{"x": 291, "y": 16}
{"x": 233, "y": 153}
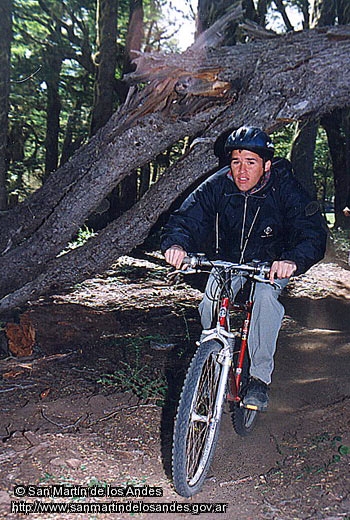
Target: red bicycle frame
{"x": 235, "y": 372}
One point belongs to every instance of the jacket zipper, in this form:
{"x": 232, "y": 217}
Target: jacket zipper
{"x": 244, "y": 244}
{"x": 243, "y": 224}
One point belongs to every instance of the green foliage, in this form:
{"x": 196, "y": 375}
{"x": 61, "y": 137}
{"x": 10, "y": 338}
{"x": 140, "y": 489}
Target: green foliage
{"x": 83, "y": 235}
{"x": 95, "y": 482}
{"x": 38, "y": 36}
{"x": 145, "y": 382}
{"x": 63, "y": 31}
{"x": 342, "y": 449}
{"x": 283, "y": 140}
{"x": 139, "y": 381}
{"x": 323, "y": 174}
{"x": 67, "y": 30}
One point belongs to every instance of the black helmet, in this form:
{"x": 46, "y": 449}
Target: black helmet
{"x": 250, "y": 138}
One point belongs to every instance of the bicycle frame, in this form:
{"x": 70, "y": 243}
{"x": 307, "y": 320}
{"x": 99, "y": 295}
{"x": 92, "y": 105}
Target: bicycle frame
{"x": 223, "y": 334}
{"x": 235, "y": 373}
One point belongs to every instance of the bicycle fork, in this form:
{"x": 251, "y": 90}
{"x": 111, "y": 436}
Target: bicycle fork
{"x": 224, "y": 363}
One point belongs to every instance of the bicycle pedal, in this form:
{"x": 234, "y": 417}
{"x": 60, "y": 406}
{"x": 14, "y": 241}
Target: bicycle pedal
{"x": 251, "y": 407}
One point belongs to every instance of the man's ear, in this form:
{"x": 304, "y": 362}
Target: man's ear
{"x": 267, "y": 166}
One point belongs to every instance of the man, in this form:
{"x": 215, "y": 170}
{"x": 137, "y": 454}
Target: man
{"x": 258, "y": 211}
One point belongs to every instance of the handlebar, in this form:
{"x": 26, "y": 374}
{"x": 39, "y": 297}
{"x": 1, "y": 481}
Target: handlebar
{"x": 197, "y": 261}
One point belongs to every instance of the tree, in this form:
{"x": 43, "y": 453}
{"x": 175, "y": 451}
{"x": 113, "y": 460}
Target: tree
{"x": 182, "y": 95}
{"x": 52, "y": 60}
{"x": 337, "y": 124}
{"x": 69, "y": 79}
{"x": 106, "y": 61}
{"x": 126, "y": 193}
{"x": 324, "y": 13}
{"x": 209, "y": 12}
{"x": 303, "y": 154}
{"x": 5, "y": 50}
{"x": 337, "y": 127}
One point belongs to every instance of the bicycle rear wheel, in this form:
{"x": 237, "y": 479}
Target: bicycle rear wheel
{"x": 244, "y": 420}
{"x": 198, "y": 419}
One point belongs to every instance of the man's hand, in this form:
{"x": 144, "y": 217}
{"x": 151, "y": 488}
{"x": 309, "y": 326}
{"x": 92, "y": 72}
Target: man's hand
{"x": 282, "y": 269}
{"x": 175, "y": 256}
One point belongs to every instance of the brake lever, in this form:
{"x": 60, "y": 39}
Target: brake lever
{"x": 260, "y": 278}
{"x": 174, "y": 277}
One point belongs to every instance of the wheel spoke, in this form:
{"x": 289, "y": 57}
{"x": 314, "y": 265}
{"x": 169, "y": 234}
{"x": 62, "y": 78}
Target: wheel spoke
{"x": 201, "y": 418}
{"x": 198, "y": 419}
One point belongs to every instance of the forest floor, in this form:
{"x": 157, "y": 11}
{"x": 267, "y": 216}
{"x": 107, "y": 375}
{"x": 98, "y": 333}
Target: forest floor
{"x": 62, "y": 424}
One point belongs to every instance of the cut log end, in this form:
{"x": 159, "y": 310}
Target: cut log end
{"x": 21, "y": 336}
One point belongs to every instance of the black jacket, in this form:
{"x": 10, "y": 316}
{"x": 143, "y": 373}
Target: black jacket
{"x": 277, "y": 222}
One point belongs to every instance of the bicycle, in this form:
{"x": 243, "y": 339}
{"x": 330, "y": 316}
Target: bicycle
{"x": 219, "y": 371}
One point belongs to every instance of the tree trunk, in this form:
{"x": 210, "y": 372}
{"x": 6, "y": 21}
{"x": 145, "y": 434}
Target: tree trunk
{"x": 343, "y": 7}
{"x": 337, "y": 127}
{"x": 303, "y": 154}
{"x": 53, "y": 63}
{"x": 5, "y": 52}
{"x": 106, "y": 61}
{"x": 324, "y": 12}
{"x": 300, "y": 76}
{"x": 209, "y": 12}
{"x": 126, "y": 196}
{"x": 69, "y": 145}
{"x": 135, "y": 35}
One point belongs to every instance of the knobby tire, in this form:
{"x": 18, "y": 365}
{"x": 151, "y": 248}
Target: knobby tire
{"x": 196, "y": 432}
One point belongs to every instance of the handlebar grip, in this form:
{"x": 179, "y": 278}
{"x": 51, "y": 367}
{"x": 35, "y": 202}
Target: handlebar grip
{"x": 197, "y": 260}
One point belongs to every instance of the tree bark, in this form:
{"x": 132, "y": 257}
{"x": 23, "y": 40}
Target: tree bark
{"x": 303, "y": 154}
{"x": 20, "y": 224}
{"x": 106, "y": 64}
{"x": 290, "y": 78}
{"x": 324, "y": 12}
{"x": 126, "y": 195}
{"x": 53, "y": 59}
{"x": 209, "y": 12}
{"x": 135, "y": 35}
{"x": 5, "y": 52}
{"x": 337, "y": 127}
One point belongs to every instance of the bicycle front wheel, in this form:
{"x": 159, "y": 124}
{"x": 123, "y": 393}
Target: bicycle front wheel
{"x": 198, "y": 419}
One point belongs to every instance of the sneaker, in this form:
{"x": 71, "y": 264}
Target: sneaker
{"x": 256, "y": 397}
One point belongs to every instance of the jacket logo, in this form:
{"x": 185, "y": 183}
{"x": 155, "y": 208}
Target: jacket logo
{"x": 268, "y": 232}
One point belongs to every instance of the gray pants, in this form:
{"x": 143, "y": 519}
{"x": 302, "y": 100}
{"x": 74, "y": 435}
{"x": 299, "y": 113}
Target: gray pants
{"x": 265, "y": 325}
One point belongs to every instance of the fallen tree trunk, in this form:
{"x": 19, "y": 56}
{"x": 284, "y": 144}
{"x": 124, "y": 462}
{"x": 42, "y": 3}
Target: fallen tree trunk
{"x": 266, "y": 83}
{"x": 121, "y": 135}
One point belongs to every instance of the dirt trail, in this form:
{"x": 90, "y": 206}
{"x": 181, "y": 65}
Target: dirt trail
{"x": 60, "y": 426}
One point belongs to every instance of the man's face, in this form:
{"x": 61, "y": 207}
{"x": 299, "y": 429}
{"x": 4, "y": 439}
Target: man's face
{"x": 247, "y": 168}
